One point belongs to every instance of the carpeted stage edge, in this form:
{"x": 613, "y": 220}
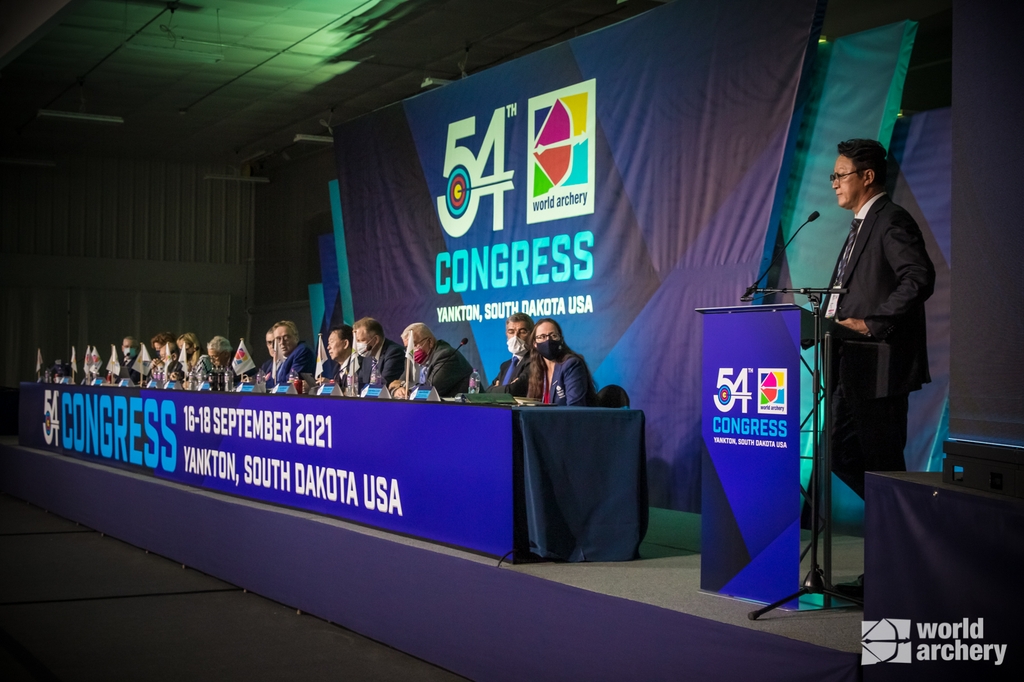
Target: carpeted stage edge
{"x": 474, "y": 619}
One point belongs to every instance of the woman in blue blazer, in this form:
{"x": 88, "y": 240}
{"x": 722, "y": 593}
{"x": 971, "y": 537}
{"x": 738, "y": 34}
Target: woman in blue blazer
{"x": 558, "y": 375}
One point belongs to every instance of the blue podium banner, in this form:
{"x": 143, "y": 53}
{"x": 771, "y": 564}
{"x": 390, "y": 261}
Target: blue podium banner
{"x": 428, "y": 470}
{"x": 750, "y": 539}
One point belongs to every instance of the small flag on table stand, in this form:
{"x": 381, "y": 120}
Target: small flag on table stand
{"x": 243, "y": 361}
{"x": 74, "y": 364}
{"x": 321, "y": 356}
{"x": 143, "y": 362}
{"x": 113, "y": 366}
{"x": 275, "y": 360}
{"x": 39, "y": 363}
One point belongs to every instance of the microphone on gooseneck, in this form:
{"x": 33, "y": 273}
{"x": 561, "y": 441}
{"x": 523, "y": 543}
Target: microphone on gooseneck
{"x": 749, "y": 293}
{"x": 441, "y": 364}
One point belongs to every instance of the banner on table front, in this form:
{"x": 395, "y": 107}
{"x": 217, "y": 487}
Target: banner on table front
{"x": 416, "y": 468}
{"x": 615, "y": 182}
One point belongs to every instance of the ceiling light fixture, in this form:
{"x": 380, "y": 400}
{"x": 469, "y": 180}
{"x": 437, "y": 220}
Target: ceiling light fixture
{"x": 322, "y": 139}
{"x": 236, "y": 178}
{"x": 429, "y": 82}
{"x": 252, "y": 157}
{"x": 77, "y": 116}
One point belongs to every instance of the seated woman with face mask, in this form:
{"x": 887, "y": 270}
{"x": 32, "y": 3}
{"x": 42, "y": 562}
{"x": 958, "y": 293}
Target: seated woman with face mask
{"x": 558, "y": 375}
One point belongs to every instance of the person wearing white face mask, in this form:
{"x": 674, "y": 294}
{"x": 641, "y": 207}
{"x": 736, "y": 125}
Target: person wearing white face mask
{"x": 377, "y": 355}
{"x": 514, "y": 374}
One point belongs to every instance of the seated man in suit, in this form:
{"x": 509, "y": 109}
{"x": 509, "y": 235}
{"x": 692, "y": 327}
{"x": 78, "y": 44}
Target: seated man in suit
{"x": 220, "y": 351}
{"x": 441, "y": 366}
{"x": 295, "y": 354}
{"x": 376, "y": 353}
{"x": 514, "y": 375}
{"x": 342, "y": 355}
{"x": 340, "y": 348}
{"x": 267, "y": 368}
{"x": 130, "y": 351}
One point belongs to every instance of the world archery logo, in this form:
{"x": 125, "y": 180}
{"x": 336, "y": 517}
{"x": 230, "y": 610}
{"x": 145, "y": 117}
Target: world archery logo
{"x": 885, "y": 641}
{"x": 771, "y": 391}
{"x": 560, "y": 172}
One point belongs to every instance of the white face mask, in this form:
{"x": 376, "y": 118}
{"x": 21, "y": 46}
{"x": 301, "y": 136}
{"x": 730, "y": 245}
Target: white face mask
{"x": 516, "y": 346}
{"x": 362, "y": 348}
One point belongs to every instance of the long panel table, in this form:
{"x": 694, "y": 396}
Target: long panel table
{"x": 560, "y": 483}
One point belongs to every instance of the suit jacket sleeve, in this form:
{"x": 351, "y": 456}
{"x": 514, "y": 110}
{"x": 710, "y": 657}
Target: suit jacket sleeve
{"x": 392, "y": 363}
{"x": 304, "y": 360}
{"x": 575, "y": 379}
{"x": 449, "y": 373}
{"x": 904, "y": 248}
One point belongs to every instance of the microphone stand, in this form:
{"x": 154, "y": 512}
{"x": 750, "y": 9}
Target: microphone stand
{"x": 818, "y": 579}
{"x": 445, "y": 360}
{"x": 748, "y": 295}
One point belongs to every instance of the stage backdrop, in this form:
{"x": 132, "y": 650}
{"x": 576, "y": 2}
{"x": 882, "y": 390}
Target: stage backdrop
{"x": 855, "y": 91}
{"x": 615, "y": 182}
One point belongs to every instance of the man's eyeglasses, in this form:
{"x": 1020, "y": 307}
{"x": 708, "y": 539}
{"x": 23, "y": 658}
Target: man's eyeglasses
{"x": 839, "y": 176}
{"x": 553, "y": 336}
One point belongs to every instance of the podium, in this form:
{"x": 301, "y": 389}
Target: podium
{"x": 750, "y": 481}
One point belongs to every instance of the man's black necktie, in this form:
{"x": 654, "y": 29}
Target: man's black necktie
{"x": 851, "y": 240}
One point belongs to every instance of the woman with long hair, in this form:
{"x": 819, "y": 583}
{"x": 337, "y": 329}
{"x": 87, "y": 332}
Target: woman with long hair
{"x": 558, "y": 375}
{"x": 189, "y": 356}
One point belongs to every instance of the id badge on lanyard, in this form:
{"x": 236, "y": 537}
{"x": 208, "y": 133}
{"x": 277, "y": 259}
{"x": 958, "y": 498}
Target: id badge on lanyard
{"x": 833, "y": 304}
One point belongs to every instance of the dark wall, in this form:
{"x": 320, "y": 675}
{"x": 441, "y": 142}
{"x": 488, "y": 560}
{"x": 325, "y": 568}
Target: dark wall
{"x": 93, "y": 249}
{"x": 987, "y": 306}
{"x": 291, "y": 212}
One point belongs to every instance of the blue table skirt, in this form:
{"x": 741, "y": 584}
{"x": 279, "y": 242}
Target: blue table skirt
{"x": 585, "y": 480}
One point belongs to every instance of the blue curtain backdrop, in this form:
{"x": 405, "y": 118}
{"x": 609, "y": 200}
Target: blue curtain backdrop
{"x": 616, "y": 182}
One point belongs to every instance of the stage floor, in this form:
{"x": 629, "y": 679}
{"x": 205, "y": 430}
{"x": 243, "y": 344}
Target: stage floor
{"x": 666, "y": 577}
{"x": 670, "y": 578}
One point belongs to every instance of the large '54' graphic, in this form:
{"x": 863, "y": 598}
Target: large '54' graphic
{"x": 465, "y": 172}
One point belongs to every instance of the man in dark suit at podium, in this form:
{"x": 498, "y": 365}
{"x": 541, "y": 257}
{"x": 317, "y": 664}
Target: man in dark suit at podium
{"x": 886, "y": 269}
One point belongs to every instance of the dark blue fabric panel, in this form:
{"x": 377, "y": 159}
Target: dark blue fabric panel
{"x": 585, "y": 500}
{"x": 934, "y": 553}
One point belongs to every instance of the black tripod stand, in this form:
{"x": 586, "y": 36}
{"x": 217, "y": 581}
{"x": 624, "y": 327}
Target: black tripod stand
{"x": 817, "y": 581}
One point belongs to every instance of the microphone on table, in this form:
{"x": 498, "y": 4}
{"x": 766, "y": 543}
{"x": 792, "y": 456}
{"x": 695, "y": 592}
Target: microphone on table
{"x": 749, "y": 293}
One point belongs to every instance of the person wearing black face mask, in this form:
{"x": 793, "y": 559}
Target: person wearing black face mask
{"x": 558, "y": 375}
